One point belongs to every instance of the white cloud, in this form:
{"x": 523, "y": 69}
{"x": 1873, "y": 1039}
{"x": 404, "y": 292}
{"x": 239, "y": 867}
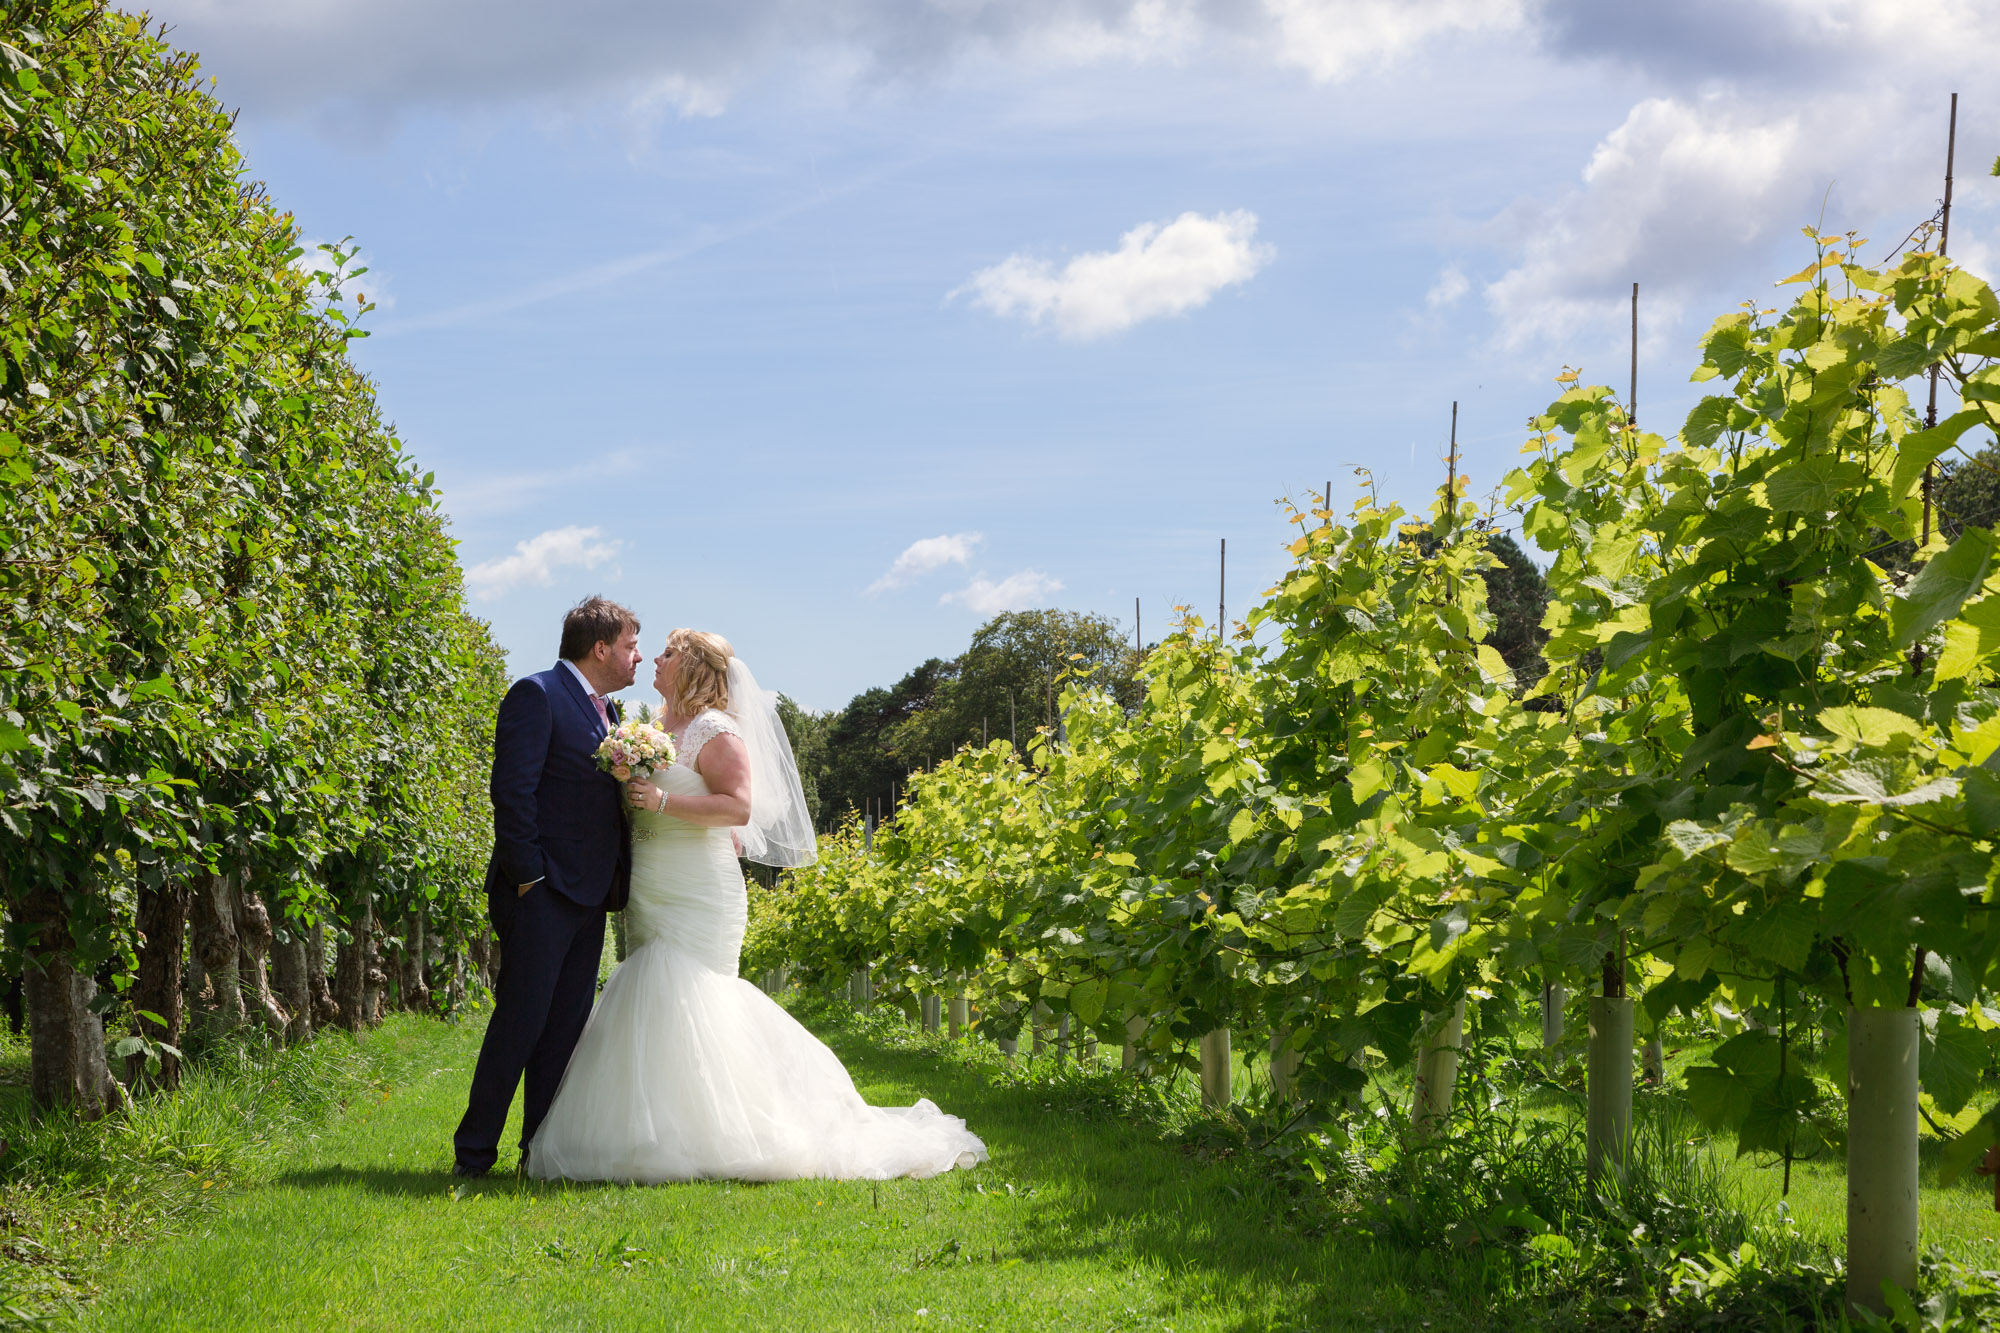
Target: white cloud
{"x": 921, "y": 557}
{"x": 1667, "y": 197}
{"x": 381, "y": 58}
{"x": 1815, "y": 108}
{"x": 1156, "y": 270}
{"x": 1335, "y": 39}
{"x": 1449, "y": 287}
{"x": 536, "y": 560}
{"x": 1016, "y": 592}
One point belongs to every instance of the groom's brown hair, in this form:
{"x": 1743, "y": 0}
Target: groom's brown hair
{"x": 592, "y": 621}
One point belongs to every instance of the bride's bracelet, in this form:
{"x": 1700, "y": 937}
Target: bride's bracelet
{"x": 662, "y": 808}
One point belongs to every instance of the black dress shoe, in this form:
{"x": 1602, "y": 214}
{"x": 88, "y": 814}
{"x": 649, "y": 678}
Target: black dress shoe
{"x": 467, "y": 1169}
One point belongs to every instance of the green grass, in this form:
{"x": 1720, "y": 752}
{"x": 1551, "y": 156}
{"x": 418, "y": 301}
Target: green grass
{"x": 72, "y": 1194}
{"x": 310, "y": 1189}
{"x": 1079, "y": 1221}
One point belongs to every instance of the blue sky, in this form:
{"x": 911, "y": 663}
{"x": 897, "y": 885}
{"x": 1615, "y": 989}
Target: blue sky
{"x": 721, "y": 308}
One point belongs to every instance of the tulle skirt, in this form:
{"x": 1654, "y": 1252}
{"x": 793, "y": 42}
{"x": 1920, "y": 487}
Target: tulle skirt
{"x": 688, "y": 1072}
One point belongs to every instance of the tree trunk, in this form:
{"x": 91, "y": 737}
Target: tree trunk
{"x": 477, "y": 948}
{"x": 292, "y": 979}
{"x": 930, "y": 1007}
{"x": 162, "y": 923}
{"x": 253, "y": 952}
{"x": 212, "y": 923}
{"x": 957, "y": 1011}
{"x": 1882, "y": 1049}
{"x": 66, "y": 1064}
{"x": 374, "y": 981}
{"x": 350, "y": 970}
{"x": 1437, "y": 1073}
{"x": 414, "y": 990}
{"x": 325, "y": 1010}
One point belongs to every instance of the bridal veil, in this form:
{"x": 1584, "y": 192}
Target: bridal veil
{"x": 780, "y": 831}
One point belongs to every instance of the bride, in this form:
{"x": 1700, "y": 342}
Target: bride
{"x": 686, "y": 1071}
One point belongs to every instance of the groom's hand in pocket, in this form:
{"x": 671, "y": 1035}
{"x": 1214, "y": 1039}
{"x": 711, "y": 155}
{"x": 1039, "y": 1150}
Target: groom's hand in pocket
{"x": 522, "y": 891}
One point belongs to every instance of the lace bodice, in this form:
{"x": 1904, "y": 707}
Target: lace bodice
{"x": 706, "y": 726}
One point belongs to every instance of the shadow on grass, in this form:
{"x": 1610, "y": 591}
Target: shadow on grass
{"x": 1092, "y": 1188}
{"x": 409, "y": 1182}
{"x": 1101, "y": 1185}
{"x": 402, "y": 1182}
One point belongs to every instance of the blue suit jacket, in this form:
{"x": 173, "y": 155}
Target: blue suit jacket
{"x": 556, "y": 816}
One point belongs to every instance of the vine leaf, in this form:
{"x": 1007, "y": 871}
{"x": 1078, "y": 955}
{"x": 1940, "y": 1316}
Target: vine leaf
{"x": 1919, "y": 450}
{"x": 1936, "y": 593}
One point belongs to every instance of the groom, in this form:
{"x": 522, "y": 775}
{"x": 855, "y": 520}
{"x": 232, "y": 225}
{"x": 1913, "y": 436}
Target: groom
{"x": 561, "y": 860}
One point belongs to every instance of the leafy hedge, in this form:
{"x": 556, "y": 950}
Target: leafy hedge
{"x": 234, "y": 652}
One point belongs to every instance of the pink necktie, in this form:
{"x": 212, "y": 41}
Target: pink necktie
{"x": 603, "y": 713}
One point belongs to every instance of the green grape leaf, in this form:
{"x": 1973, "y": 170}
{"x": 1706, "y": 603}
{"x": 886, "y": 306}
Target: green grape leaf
{"x": 1950, "y": 1063}
{"x": 1813, "y": 486}
{"x": 1086, "y": 1001}
{"x": 1919, "y": 449}
{"x": 1942, "y": 586}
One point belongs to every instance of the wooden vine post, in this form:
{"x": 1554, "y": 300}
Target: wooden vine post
{"x": 1882, "y": 1048}
{"x": 861, "y": 984}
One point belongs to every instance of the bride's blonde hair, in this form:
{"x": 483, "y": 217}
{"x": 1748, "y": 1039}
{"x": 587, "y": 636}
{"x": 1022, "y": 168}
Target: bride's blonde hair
{"x": 702, "y": 678}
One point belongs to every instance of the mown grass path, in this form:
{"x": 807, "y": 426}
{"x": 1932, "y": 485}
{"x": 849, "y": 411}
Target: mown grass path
{"x": 1078, "y": 1222}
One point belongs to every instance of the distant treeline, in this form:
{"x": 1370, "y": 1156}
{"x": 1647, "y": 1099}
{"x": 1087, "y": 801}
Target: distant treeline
{"x": 1009, "y": 678}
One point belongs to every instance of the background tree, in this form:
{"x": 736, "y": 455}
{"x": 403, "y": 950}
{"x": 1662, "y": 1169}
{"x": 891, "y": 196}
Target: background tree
{"x": 860, "y": 760}
{"x": 1517, "y": 595}
{"x": 1018, "y": 663}
{"x": 1009, "y": 680}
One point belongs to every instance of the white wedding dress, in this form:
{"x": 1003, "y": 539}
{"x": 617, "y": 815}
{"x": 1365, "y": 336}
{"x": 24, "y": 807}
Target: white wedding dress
{"x": 688, "y": 1072}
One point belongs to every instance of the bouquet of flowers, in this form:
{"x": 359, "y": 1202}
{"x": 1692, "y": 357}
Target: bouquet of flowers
{"x": 635, "y": 749}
